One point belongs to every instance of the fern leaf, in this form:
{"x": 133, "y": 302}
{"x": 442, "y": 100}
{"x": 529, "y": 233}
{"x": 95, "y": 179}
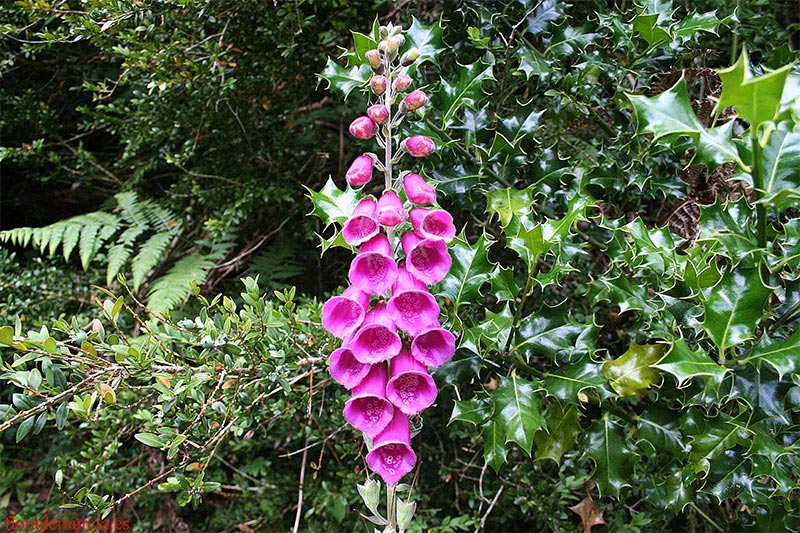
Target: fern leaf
{"x": 55, "y": 238}
{"x": 118, "y": 256}
{"x": 72, "y": 233}
{"x": 131, "y": 209}
{"x": 88, "y": 244}
{"x": 172, "y": 288}
{"x": 149, "y": 254}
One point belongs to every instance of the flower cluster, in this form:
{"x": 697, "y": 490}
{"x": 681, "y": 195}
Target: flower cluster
{"x": 387, "y": 318}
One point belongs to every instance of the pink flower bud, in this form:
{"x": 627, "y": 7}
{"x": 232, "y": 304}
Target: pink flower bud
{"x": 401, "y": 83}
{"x": 360, "y": 171}
{"x": 373, "y": 58}
{"x": 378, "y": 84}
{"x": 415, "y": 100}
{"x": 377, "y": 339}
{"x": 435, "y": 224}
{"x": 411, "y": 388}
{"x": 379, "y": 113}
{"x": 426, "y": 259}
{"x": 390, "y": 209}
{"x": 418, "y": 191}
{"x": 373, "y": 270}
{"x": 368, "y": 409}
{"x": 391, "y": 456}
{"x": 342, "y": 315}
{"x": 362, "y": 128}
{"x": 433, "y": 347}
{"x": 362, "y": 224}
{"x": 418, "y": 145}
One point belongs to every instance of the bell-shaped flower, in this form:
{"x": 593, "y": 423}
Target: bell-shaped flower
{"x": 411, "y": 389}
{"x": 377, "y": 339}
{"x": 417, "y": 190}
{"x": 342, "y": 315}
{"x": 363, "y": 128}
{"x": 433, "y": 347}
{"x": 374, "y": 270}
{"x": 360, "y": 171}
{"x": 379, "y": 113}
{"x": 345, "y": 368}
{"x": 362, "y": 224}
{"x": 391, "y": 456}
{"x": 426, "y": 259}
{"x": 390, "y": 209}
{"x": 419, "y": 146}
{"x": 412, "y": 307}
{"x": 434, "y": 224}
{"x": 368, "y": 410}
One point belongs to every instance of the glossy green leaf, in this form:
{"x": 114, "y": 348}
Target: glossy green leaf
{"x": 731, "y": 225}
{"x": 427, "y": 39}
{"x": 781, "y": 354}
{"x": 471, "y": 268}
{"x": 505, "y": 203}
{"x": 333, "y": 205}
{"x": 6, "y": 335}
{"x": 648, "y": 27}
{"x": 548, "y": 333}
{"x": 729, "y": 475}
{"x": 756, "y": 99}
{"x": 633, "y": 372}
{"x": 504, "y": 285}
{"x": 781, "y": 160}
{"x": 343, "y": 81}
{"x": 517, "y": 410}
{"x": 495, "y": 452}
{"x": 579, "y": 378}
{"x": 150, "y": 439}
{"x": 658, "y": 425}
{"x": 733, "y": 308}
{"x": 720, "y": 435}
{"x": 473, "y": 411}
{"x": 684, "y": 363}
{"x": 466, "y": 92}
{"x": 24, "y": 428}
{"x": 561, "y": 434}
{"x": 612, "y": 454}
{"x": 531, "y": 61}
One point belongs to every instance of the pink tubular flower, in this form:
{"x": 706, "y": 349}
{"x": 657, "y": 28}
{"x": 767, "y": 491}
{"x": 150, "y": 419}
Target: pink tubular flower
{"x": 426, "y": 259}
{"x": 417, "y": 190}
{"x": 373, "y": 270}
{"x": 411, "y": 388}
{"x": 435, "y": 224}
{"x": 378, "y": 84}
{"x": 346, "y": 369}
{"x": 342, "y": 315}
{"x": 401, "y": 83}
{"x": 391, "y": 456}
{"x": 368, "y": 409}
{"x": 377, "y": 340}
{"x": 414, "y": 100}
{"x": 363, "y": 128}
{"x": 360, "y": 171}
{"x": 379, "y": 113}
{"x": 419, "y": 145}
{"x": 412, "y": 308}
{"x": 362, "y": 225}
{"x": 390, "y": 209}
{"x": 433, "y": 347}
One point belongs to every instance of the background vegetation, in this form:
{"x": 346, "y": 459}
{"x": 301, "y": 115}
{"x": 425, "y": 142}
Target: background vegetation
{"x": 612, "y": 265}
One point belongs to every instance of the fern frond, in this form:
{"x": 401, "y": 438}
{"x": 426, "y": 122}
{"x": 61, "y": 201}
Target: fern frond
{"x": 72, "y": 233}
{"x": 172, "y": 288}
{"x": 149, "y": 254}
{"x": 117, "y": 257}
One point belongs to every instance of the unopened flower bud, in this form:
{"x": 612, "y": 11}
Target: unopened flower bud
{"x": 362, "y": 128}
{"x": 395, "y": 30}
{"x": 401, "y": 83}
{"x": 383, "y": 32}
{"x": 418, "y": 191}
{"x": 411, "y": 55}
{"x": 415, "y": 100}
{"x": 383, "y": 45}
{"x": 393, "y": 44}
{"x": 390, "y": 209}
{"x": 419, "y": 146}
{"x": 360, "y": 171}
{"x": 378, "y": 84}
{"x": 379, "y": 113}
{"x": 374, "y": 58}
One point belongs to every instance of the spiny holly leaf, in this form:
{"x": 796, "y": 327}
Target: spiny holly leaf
{"x": 633, "y": 371}
{"x": 782, "y": 354}
{"x": 648, "y": 27}
{"x": 627, "y": 295}
{"x": 361, "y": 44}
{"x": 576, "y": 380}
{"x": 684, "y": 364}
{"x": 332, "y": 204}
{"x": 729, "y": 475}
{"x": 673, "y": 491}
{"x": 561, "y": 434}
{"x": 790, "y": 245}
{"x": 697, "y": 22}
{"x": 494, "y": 444}
{"x": 519, "y": 128}
{"x": 546, "y": 11}
{"x": 470, "y": 270}
{"x": 504, "y": 284}
{"x": 427, "y": 39}
{"x": 729, "y": 224}
{"x": 733, "y": 308}
{"x": 343, "y": 81}
{"x": 613, "y": 456}
{"x": 531, "y": 61}
{"x": 762, "y": 390}
{"x": 721, "y": 434}
{"x": 548, "y": 333}
{"x": 781, "y": 159}
{"x": 517, "y": 410}
{"x": 652, "y": 248}
{"x": 756, "y": 99}
{"x": 507, "y": 202}
{"x": 473, "y": 411}
{"x": 466, "y": 92}
{"x": 659, "y": 426}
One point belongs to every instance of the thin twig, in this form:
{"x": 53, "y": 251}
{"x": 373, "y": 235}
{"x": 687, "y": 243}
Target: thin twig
{"x": 300, "y": 491}
{"x": 489, "y": 510}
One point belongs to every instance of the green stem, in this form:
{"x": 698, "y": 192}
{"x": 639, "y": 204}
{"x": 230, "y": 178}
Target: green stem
{"x": 758, "y": 185}
{"x": 526, "y": 292}
{"x": 705, "y": 517}
{"x": 391, "y": 508}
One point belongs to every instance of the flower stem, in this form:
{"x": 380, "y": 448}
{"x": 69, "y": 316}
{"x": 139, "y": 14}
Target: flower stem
{"x": 387, "y": 171}
{"x": 391, "y": 508}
